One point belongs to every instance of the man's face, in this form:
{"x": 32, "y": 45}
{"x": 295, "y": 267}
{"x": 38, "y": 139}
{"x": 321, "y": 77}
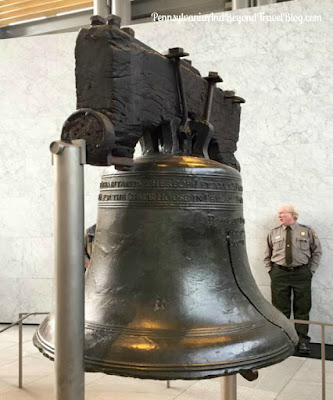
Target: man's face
{"x": 285, "y": 216}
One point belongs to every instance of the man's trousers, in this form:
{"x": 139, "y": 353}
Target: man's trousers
{"x": 293, "y": 287}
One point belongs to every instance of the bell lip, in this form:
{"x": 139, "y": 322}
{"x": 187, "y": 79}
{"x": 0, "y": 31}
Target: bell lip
{"x": 173, "y": 371}
{"x": 188, "y": 372}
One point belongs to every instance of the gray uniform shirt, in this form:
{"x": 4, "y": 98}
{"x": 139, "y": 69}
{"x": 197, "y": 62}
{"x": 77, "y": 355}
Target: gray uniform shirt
{"x": 306, "y": 248}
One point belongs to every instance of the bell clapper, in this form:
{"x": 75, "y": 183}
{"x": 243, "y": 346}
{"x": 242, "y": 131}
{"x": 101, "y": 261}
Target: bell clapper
{"x": 250, "y": 375}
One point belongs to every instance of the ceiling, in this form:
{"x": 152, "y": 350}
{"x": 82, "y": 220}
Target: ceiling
{"x": 37, "y": 17}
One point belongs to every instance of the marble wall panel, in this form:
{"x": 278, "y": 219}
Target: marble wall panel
{"x": 35, "y": 295}
{"x": 266, "y": 292}
{"x": 39, "y": 97}
{"x": 12, "y": 257}
{"x": 282, "y": 69}
{"x": 13, "y": 216}
{"x": 321, "y": 311}
{"x": 9, "y": 296}
{"x": 324, "y": 277}
{"x": 38, "y": 258}
{"x": 255, "y": 254}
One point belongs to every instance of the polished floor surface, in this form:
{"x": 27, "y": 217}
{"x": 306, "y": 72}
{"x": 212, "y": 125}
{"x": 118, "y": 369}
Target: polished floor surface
{"x": 294, "y": 379}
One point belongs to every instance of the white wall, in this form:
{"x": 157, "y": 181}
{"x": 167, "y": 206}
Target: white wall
{"x": 37, "y": 95}
{"x": 283, "y": 70}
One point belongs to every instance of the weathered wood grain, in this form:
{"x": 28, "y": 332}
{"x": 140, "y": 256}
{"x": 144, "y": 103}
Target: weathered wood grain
{"x": 136, "y": 88}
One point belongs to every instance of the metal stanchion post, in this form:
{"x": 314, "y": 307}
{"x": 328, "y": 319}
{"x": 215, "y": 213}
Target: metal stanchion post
{"x": 101, "y": 7}
{"x": 22, "y": 317}
{"x": 229, "y": 387}
{"x": 69, "y": 260}
{"x": 20, "y": 350}
{"x": 122, "y": 8}
{"x": 238, "y": 4}
{"x": 323, "y": 357}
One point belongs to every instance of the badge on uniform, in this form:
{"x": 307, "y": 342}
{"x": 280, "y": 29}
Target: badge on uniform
{"x": 302, "y": 233}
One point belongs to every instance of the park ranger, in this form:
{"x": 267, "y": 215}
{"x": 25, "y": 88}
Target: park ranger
{"x": 292, "y": 255}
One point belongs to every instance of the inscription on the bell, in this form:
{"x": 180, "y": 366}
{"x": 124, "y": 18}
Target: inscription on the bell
{"x": 162, "y": 189}
{"x": 171, "y": 197}
{"x": 120, "y": 184}
{"x": 173, "y": 184}
{"x": 112, "y": 197}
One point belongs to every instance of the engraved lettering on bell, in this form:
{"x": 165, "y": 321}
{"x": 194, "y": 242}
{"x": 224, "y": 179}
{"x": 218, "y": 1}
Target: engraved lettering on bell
{"x": 203, "y": 183}
{"x": 214, "y": 220}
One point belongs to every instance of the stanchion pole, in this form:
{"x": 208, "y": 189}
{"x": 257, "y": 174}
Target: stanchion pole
{"x": 20, "y": 350}
{"x": 323, "y": 358}
{"x": 122, "y": 8}
{"x": 101, "y": 7}
{"x": 68, "y": 160}
{"x": 229, "y": 387}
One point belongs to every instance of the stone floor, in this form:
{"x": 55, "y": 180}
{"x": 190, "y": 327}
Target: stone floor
{"x": 294, "y": 379}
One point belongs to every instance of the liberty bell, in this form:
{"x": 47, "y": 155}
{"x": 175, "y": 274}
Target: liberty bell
{"x": 169, "y": 293}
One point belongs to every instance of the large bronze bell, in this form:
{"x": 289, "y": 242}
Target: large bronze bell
{"x": 169, "y": 292}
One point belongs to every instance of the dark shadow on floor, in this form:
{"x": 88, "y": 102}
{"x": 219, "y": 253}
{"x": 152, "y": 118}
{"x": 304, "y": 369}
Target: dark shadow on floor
{"x": 316, "y": 352}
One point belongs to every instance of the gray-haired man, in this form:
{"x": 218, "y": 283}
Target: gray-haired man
{"x": 292, "y": 255}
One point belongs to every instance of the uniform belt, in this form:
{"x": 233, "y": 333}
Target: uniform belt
{"x": 289, "y": 268}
